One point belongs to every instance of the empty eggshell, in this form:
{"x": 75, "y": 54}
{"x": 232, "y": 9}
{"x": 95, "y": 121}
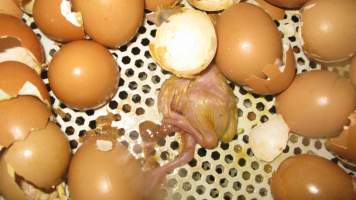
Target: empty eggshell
{"x": 57, "y": 21}
{"x": 74, "y": 78}
{"x": 185, "y": 49}
{"x": 212, "y": 5}
{"x": 269, "y": 139}
{"x": 9, "y": 7}
{"x": 19, "y": 79}
{"x": 277, "y": 79}
{"x": 111, "y": 22}
{"x": 19, "y": 116}
{"x": 19, "y": 43}
{"x": 153, "y": 5}
{"x": 243, "y": 50}
{"x": 328, "y": 29}
{"x": 275, "y": 12}
{"x": 108, "y": 175}
{"x": 317, "y": 104}
{"x": 42, "y": 158}
{"x": 291, "y": 4}
{"x": 311, "y": 177}
{"x": 353, "y": 71}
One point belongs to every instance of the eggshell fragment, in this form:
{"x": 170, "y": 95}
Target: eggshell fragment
{"x": 52, "y": 18}
{"x": 42, "y": 158}
{"x": 276, "y": 80}
{"x": 317, "y": 104}
{"x": 185, "y": 49}
{"x": 153, "y": 5}
{"x": 19, "y": 117}
{"x": 212, "y": 5}
{"x": 19, "y": 79}
{"x": 275, "y": 12}
{"x": 19, "y": 43}
{"x": 9, "y": 7}
{"x": 269, "y": 139}
{"x": 111, "y": 22}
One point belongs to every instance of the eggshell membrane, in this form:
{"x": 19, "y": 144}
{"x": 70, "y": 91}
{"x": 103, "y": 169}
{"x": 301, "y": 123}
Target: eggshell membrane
{"x": 111, "y": 22}
{"x": 14, "y": 75}
{"x": 353, "y": 71}
{"x": 153, "y": 5}
{"x": 275, "y": 12}
{"x": 116, "y": 168}
{"x": 345, "y": 144}
{"x": 291, "y": 4}
{"x": 242, "y": 50}
{"x": 328, "y": 27}
{"x": 20, "y": 116}
{"x": 317, "y": 104}
{"x": 42, "y": 158}
{"x": 74, "y": 78}
{"x": 8, "y": 187}
{"x": 50, "y": 20}
{"x": 277, "y": 80}
{"x": 15, "y": 28}
{"x": 212, "y": 5}
{"x": 9, "y": 7}
{"x": 311, "y": 177}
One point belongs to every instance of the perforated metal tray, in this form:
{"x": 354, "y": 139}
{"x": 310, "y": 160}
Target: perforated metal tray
{"x": 228, "y": 172}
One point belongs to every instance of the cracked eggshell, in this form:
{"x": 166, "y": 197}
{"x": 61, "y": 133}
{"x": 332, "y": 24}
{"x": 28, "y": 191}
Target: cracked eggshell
{"x": 277, "y": 79}
{"x": 275, "y": 12}
{"x": 74, "y": 78}
{"x": 317, "y": 104}
{"x": 19, "y": 79}
{"x": 289, "y": 4}
{"x": 353, "y": 71}
{"x": 18, "y": 42}
{"x": 243, "y": 49}
{"x": 311, "y": 177}
{"x": 20, "y": 116}
{"x": 111, "y": 22}
{"x": 9, "y": 7}
{"x": 185, "y": 43}
{"x": 8, "y": 187}
{"x": 154, "y": 5}
{"x": 212, "y": 5}
{"x": 269, "y": 139}
{"x": 110, "y": 175}
{"x": 42, "y": 158}
{"x": 328, "y": 30}
{"x": 57, "y": 21}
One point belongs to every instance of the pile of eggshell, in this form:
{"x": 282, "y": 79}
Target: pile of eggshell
{"x": 241, "y": 39}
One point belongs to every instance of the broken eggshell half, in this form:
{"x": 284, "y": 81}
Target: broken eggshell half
{"x": 212, "y": 5}
{"x": 56, "y": 19}
{"x": 19, "y": 43}
{"x": 9, "y": 7}
{"x": 185, "y": 49}
{"x": 276, "y": 80}
{"x": 17, "y": 79}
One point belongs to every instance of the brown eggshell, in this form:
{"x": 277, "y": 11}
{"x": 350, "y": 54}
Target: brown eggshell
{"x": 353, "y": 71}
{"x": 328, "y": 27}
{"x": 277, "y": 81}
{"x": 13, "y": 76}
{"x": 111, "y": 22}
{"x": 153, "y": 5}
{"x": 317, "y": 104}
{"x": 345, "y": 144}
{"x": 80, "y": 82}
{"x": 108, "y": 175}
{"x": 15, "y": 28}
{"x": 42, "y": 158}
{"x": 20, "y": 116}
{"x": 310, "y": 177}
{"x": 275, "y": 12}
{"x": 291, "y": 4}
{"x": 242, "y": 50}
{"x": 49, "y": 19}
{"x": 8, "y": 187}
{"x": 9, "y": 7}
